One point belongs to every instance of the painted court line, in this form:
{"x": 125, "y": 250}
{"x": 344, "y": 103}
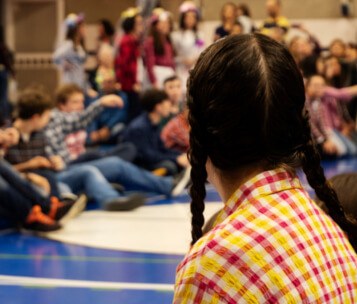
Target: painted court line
{"x": 46, "y": 282}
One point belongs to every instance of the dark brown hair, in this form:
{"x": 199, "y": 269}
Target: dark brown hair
{"x": 246, "y": 100}
{"x": 32, "y": 101}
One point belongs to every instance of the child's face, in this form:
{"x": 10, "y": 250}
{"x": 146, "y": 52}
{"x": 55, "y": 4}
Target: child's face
{"x": 315, "y": 87}
{"x": 109, "y": 85}
{"x": 174, "y": 90}
{"x": 163, "y": 27}
{"x": 75, "y": 103}
{"x": 190, "y": 20}
{"x": 40, "y": 121}
{"x": 164, "y": 108}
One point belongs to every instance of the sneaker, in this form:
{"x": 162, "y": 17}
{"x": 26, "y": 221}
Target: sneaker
{"x": 40, "y": 222}
{"x": 126, "y": 203}
{"x": 66, "y": 209}
{"x": 181, "y": 181}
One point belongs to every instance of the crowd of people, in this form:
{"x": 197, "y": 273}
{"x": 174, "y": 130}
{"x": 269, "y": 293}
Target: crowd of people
{"x": 125, "y": 124}
{"x": 258, "y": 108}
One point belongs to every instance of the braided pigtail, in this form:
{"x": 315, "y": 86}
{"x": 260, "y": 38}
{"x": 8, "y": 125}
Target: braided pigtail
{"x": 198, "y": 158}
{"x": 316, "y": 178}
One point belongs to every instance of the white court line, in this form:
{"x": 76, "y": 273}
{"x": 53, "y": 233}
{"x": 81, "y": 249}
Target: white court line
{"x": 47, "y": 282}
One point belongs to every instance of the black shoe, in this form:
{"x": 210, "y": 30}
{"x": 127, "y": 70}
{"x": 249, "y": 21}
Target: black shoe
{"x": 181, "y": 181}
{"x": 71, "y": 208}
{"x": 67, "y": 208}
{"x": 126, "y": 203}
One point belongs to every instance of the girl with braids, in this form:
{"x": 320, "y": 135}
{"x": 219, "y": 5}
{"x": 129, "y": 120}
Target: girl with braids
{"x": 249, "y": 133}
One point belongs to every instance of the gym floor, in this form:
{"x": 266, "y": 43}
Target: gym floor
{"x": 103, "y": 257}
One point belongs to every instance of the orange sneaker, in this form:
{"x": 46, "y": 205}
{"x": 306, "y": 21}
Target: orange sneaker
{"x": 38, "y": 221}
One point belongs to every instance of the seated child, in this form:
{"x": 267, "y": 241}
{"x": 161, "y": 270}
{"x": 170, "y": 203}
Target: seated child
{"x": 70, "y": 99}
{"x": 104, "y": 129}
{"x": 144, "y": 133}
{"x": 329, "y": 128}
{"x": 22, "y": 203}
{"x": 175, "y": 134}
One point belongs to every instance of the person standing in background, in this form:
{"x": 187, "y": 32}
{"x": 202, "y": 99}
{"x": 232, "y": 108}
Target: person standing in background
{"x": 187, "y": 41}
{"x": 228, "y": 18}
{"x": 6, "y": 71}
{"x": 128, "y": 59}
{"x": 244, "y": 18}
{"x": 158, "y": 50}
{"x": 70, "y": 54}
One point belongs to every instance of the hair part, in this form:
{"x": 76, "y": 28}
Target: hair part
{"x": 239, "y": 119}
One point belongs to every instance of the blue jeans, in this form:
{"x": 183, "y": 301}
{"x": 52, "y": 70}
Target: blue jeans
{"x": 88, "y": 179}
{"x": 17, "y": 195}
{"x": 116, "y": 170}
{"x": 125, "y": 151}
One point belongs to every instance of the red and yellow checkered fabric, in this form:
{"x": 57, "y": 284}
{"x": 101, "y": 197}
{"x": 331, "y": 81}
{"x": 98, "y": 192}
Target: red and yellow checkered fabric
{"x": 271, "y": 244}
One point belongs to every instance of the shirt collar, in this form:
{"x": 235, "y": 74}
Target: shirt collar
{"x": 263, "y": 184}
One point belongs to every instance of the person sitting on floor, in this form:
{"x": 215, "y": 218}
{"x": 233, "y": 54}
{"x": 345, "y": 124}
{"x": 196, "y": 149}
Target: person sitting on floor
{"x": 144, "y": 133}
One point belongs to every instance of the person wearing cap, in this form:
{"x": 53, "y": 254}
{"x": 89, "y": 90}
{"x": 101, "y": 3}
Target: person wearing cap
{"x": 187, "y": 41}
{"x": 70, "y": 55}
{"x": 158, "y": 49}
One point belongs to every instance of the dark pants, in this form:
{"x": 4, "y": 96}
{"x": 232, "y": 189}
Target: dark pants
{"x": 51, "y": 178}
{"x": 17, "y": 195}
{"x": 4, "y": 104}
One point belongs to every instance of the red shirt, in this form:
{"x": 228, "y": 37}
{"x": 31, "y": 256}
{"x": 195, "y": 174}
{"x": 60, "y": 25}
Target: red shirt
{"x": 152, "y": 59}
{"x": 126, "y": 62}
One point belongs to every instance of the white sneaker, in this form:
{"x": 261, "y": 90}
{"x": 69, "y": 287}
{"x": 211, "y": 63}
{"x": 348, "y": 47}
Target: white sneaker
{"x": 181, "y": 182}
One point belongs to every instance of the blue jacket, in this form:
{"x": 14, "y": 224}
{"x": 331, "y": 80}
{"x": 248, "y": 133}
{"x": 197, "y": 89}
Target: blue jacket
{"x": 146, "y": 137}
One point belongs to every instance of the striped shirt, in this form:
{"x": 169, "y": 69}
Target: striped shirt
{"x": 270, "y": 244}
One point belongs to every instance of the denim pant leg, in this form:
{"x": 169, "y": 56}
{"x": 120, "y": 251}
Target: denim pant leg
{"x": 88, "y": 179}
{"x": 351, "y": 148}
{"x": 51, "y": 178}
{"x": 117, "y": 170}
{"x": 22, "y": 186}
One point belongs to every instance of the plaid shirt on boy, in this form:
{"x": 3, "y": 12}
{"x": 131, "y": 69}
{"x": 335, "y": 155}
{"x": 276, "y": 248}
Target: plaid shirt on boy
{"x": 62, "y": 124}
{"x": 271, "y": 244}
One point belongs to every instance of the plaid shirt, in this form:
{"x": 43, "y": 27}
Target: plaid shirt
{"x": 325, "y": 115}
{"x": 271, "y": 244}
{"x": 126, "y": 62}
{"x": 62, "y": 124}
{"x": 175, "y": 134}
